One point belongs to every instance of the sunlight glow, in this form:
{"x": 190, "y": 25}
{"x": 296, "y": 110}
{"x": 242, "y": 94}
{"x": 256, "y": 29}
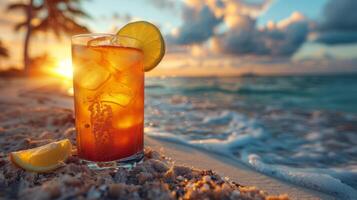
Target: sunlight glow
{"x": 64, "y": 69}
{"x": 70, "y": 91}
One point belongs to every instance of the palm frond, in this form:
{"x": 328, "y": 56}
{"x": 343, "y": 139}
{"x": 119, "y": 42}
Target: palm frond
{"x": 57, "y": 16}
{"x": 42, "y": 26}
{"x": 72, "y": 27}
{"x": 23, "y": 6}
{"x": 19, "y": 26}
{"x": 61, "y": 15}
{"x": 17, "y": 6}
{"x": 3, "y": 51}
{"x": 77, "y": 12}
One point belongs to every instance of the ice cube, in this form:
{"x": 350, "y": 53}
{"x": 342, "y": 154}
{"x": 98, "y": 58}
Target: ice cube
{"x": 127, "y": 121}
{"x": 89, "y": 70}
{"x": 119, "y": 94}
{"x": 100, "y": 41}
{"x": 84, "y": 53}
{"x": 127, "y": 77}
{"x": 91, "y": 76}
{"x": 124, "y": 58}
{"x": 125, "y": 42}
{"x": 126, "y": 55}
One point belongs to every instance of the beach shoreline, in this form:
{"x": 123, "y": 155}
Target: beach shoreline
{"x": 232, "y": 169}
{"x": 35, "y": 96}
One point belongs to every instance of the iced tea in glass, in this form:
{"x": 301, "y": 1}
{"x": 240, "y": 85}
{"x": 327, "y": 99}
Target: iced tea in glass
{"x": 109, "y": 99}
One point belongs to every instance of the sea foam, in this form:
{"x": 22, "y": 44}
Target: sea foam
{"x": 244, "y": 133}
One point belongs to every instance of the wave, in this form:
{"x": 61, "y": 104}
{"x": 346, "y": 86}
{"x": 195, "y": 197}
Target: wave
{"x": 243, "y": 132}
{"x": 154, "y": 86}
{"x": 248, "y": 136}
{"x": 245, "y": 90}
{"x": 314, "y": 179}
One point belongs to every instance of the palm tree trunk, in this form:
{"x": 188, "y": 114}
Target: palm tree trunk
{"x": 27, "y": 38}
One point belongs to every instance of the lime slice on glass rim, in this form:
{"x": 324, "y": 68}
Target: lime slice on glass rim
{"x": 141, "y": 35}
{"x": 151, "y": 41}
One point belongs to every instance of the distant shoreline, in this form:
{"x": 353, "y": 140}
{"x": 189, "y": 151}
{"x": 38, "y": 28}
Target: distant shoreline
{"x": 15, "y": 72}
{"x": 249, "y": 75}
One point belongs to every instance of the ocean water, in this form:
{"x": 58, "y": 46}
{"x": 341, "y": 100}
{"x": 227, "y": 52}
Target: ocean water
{"x": 302, "y": 129}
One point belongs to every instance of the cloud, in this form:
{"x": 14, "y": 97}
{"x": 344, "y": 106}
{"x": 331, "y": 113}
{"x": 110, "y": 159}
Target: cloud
{"x": 233, "y": 10}
{"x": 276, "y": 39}
{"x": 240, "y": 35}
{"x": 241, "y": 39}
{"x": 198, "y": 25}
{"x": 163, "y": 4}
{"x": 276, "y": 42}
{"x": 337, "y": 37}
{"x": 339, "y": 24}
{"x": 340, "y": 15}
{"x": 182, "y": 64}
{"x": 201, "y": 17}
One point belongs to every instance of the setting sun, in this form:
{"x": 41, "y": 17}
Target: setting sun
{"x": 64, "y": 68}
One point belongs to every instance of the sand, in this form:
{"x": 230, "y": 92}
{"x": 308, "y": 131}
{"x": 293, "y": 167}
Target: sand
{"x": 232, "y": 169}
{"x": 50, "y": 110}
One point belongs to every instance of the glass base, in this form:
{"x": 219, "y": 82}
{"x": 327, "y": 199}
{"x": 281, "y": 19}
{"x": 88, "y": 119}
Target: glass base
{"x": 127, "y": 163}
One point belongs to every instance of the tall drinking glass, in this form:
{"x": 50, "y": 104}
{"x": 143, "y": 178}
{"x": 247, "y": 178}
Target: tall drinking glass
{"x": 109, "y": 99}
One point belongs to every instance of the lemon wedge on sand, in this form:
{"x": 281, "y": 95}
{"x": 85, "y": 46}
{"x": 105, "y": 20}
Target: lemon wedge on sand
{"x": 44, "y": 158}
{"x": 152, "y": 42}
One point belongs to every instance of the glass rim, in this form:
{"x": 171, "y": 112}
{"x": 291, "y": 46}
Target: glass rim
{"x": 91, "y": 35}
{"x": 88, "y": 35}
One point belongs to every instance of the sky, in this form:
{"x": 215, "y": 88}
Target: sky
{"x": 219, "y": 37}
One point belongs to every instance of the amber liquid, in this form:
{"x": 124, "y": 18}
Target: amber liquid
{"x": 109, "y": 101}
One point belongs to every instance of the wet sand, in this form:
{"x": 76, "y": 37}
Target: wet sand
{"x": 232, "y": 169}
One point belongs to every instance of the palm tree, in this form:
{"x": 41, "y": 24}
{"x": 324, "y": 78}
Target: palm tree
{"x": 3, "y": 51}
{"x": 57, "y": 16}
